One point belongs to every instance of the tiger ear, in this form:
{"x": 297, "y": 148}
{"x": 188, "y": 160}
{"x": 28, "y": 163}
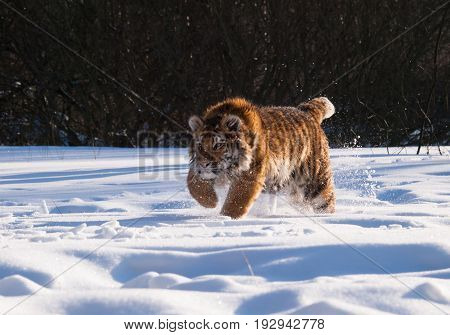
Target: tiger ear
{"x": 195, "y": 122}
{"x": 232, "y": 122}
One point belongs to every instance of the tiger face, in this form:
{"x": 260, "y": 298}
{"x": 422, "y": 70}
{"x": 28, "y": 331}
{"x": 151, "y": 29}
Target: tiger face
{"x": 219, "y": 147}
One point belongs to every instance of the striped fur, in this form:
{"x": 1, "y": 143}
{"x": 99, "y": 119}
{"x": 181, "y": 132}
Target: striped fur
{"x": 258, "y": 149}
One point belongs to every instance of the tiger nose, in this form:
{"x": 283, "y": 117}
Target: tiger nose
{"x": 203, "y": 166}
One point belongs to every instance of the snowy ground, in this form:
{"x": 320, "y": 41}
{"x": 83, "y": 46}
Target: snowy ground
{"x": 64, "y": 214}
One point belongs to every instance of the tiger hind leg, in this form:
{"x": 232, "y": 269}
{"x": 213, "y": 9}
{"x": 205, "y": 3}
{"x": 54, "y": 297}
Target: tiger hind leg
{"x": 316, "y": 195}
{"x": 321, "y": 197}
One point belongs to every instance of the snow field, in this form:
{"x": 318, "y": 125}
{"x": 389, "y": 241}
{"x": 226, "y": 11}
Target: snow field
{"x": 114, "y": 231}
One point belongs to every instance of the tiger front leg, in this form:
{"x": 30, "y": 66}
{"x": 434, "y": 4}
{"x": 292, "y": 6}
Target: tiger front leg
{"x": 202, "y": 190}
{"x": 242, "y": 194}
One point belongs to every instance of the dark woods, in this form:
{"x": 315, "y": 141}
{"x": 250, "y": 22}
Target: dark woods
{"x": 184, "y": 55}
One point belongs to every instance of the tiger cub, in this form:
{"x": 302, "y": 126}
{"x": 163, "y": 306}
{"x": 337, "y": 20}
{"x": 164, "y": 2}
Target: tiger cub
{"x": 260, "y": 148}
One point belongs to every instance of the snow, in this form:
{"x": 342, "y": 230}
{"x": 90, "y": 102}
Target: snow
{"x": 114, "y": 231}
{"x": 17, "y": 285}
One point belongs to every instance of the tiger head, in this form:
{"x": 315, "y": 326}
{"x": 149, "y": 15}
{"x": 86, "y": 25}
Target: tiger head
{"x": 222, "y": 145}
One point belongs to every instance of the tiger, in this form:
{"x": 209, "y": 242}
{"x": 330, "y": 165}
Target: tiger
{"x": 261, "y": 149}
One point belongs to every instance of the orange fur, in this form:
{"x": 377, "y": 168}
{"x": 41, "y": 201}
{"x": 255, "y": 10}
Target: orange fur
{"x": 262, "y": 148}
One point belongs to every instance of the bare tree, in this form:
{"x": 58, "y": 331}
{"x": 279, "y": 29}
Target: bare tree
{"x": 184, "y": 55}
